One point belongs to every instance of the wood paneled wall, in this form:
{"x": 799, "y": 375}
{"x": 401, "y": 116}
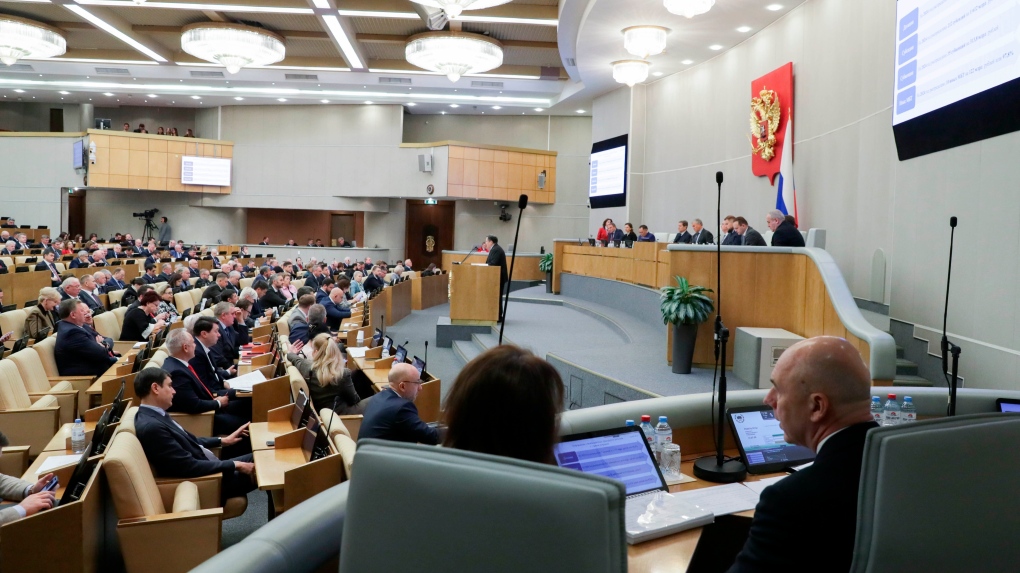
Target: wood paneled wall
{"x": 281, "y": 225}
{"x": 144, "y": 161}
{"x": 501, "y": 174}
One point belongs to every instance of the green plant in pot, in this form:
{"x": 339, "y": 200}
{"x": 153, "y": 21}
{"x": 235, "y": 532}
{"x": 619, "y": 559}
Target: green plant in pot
{"x": 685, "y": 307}
{"x": 546, "y": 266}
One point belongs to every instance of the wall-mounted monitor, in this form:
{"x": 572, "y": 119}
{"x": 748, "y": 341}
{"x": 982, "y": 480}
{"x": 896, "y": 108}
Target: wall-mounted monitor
{"x": 608, "y": 173}
{"x": 205, "y": 171}
{"x": 78, "y": 154}
{"x": 104, "y": 123}
{"x": 956, "y": 74}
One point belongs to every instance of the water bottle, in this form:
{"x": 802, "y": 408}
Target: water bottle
{"x": 649, "y": 431}
{"x": 891, "y": 412}
{"x": 663, "y": 436}
{"x": 361, "y": 338}
{"x": 630, "y": 423}
{"x": 908, "y": 411}
{"x": 876, "y": 409}
{"x": 78, "y": 437}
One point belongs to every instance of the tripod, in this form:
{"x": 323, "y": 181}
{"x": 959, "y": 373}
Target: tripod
{"x": 150, "y": 231}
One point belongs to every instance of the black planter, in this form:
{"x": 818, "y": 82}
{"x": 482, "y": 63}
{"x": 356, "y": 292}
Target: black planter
{"x": 684, "y": 337}
{"x": 548, "y": 282}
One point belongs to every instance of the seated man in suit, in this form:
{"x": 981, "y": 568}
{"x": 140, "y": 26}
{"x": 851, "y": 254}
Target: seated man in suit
{"x": 31, "y": 495}
{"x": 322, "y": 294}
{"x": 118, "y": 252}
{"x": 82, "y": 260}
{"x": 731, "y": 238}
{"x": 337, "y": 307}
{"x": 273, "y": 297}
{"x": 298, "y": 319}
{"x": 612, "y": 233}
{"x": 375, "y": 280}
{"x": 204, "y": 279}
{"x": 78, "y": 352}
{"x": 226, "y": 350}
{"x": 167, "y": 271}
{"x": 101, "y": 279}
{"x": 214, "y": 374}
{"x": 86, "y": 292}
{"x": 314, "y": 278}
{"x": 3, "y": 268}
{"x": 185, "y": 283}
{"x": 99, "y": 258}
{"x": 9, "y": 248}
{"x": 784, "y": 233}
{"x": 47, "y": 264}
{"x": 820, "y": 393}
{"x": 195, "y": 395}
{"x": 392, "y": 415}
{"x": 178, "y": 253}
{"x": 701, "y": 236}
{"x": 150, "y": 277}
{"x": 748, "y": 236}
{"x": 643, "y": 236}
{"x": 682, "y": 236}
{"x": 213, "y": 292}
{"x": 173, "y": 452}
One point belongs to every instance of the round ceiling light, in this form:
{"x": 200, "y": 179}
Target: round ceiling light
{"x": 454, "y": 53}
{"x": 24, "y": 38}
{"x": 644, "y": 41}
{"x": 453, "y": 8}
{"x": 234, "y": 46}
{"x": 688, "y": 8}
{"x": 630, "y": 72}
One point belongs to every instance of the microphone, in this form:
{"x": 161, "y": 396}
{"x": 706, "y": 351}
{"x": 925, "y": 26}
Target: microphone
{"x": 471, "y": 252}
{"x": 949, "y": 347}
{"x": 333, "y": 410}
{"x": 718, "y": 180}
{"x": 522, "y": 202}
{"x": 426, "y": 354}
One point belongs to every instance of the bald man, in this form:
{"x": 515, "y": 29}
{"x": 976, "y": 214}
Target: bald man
{"x": 392, "y": 415}
{"x": 821, "y": 391}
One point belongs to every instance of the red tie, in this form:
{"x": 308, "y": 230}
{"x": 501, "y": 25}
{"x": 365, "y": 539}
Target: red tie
{"x": 190, "y": 367}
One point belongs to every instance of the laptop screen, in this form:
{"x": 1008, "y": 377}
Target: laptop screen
{"x": 401, "y": 355}
{"x": 419, "y": 365}
{"x": 618, "y": 453}
{"x": 1008, "y": 405}
{"x": 299, "y": 416}
{"x": 387, "y": 343}
{"x": 761, "y": 442}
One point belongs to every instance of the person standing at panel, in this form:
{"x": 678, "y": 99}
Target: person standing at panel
{"x": 497, "y": 257}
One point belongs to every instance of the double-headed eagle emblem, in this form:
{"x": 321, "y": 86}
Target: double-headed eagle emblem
{"x": 764, "y": 123}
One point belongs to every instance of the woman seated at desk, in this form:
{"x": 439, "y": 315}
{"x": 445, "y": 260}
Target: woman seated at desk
{"x": 43, "y": 315}
{"x": 142, "y": 321}
{"x": 327, "y": 376}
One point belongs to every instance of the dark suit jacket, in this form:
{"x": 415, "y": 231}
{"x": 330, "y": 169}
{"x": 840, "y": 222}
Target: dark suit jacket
{"x": 312, "y": 281}
{"x": 786, "y": 235}
{"x": 75, "y": 264}
{"x": 705, "y": 237}
{"x": 213, "y": 293}
{"x": 616, "y": 236}
{"x": 130, "y": 296}
{"x": 44, "y": 266}
{"x": 497, "y": 257}
{"x": 225, "y": 351}
{"x": 272, "y": 299}
{"x": 373, "y": 283}
{"x": 334, "y": 314}
{"x": 152, "y": 258}
{"x": 753, "y": 238}
{"x": 78, "y": 353}
{"x": 90, "y": 300}
{"x": 808, "y": 521}
{"x": 684, "y": 237}
{"x": 172, "y": 451}
{"x": 732, "y": 238}
{"x": 213, "y": 378}
{"x": 191, "y": 397}
{"x": 150, "y": 279}
{"x": 390, "y": 417}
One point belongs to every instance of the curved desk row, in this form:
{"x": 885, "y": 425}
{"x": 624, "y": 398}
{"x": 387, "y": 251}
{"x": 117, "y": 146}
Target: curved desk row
{"x": 797, "y": 289}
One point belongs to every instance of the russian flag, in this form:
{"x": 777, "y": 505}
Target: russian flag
{"x": 786, "y": 191}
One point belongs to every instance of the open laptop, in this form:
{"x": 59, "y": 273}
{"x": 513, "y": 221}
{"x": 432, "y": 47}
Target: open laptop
{"x": 760, "y": 441}
{"x": 619, "y": 453}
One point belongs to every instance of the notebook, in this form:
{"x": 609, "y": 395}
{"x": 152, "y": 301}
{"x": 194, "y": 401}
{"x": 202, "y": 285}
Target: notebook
{"x": 623, "y": 454}
{"x": 760, "y": 440}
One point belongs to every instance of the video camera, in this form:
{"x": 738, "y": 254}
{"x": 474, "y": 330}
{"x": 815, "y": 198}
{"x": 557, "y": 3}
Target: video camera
{"x": 148, "y": 214}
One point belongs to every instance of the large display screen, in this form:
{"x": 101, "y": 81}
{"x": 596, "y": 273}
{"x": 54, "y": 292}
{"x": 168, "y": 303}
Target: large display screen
{"x": 608, "y": 173}
{"x": 205, "y": 171}
{"x": 957, "y": 69}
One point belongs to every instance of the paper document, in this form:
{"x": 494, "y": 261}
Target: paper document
{"x": 803, "y": 467}
{"x": 760, "y": 485}
{"x": 246, "y": 381}
{"x": 479, "y": 265}
{"x": 659, "y": 514}
{"x": 139, "y": 345}
{"x": 356, "y": 352}
{"x": 673, "y": 479}
{"x": 722, "y": 499}
{"x": 53, "y": 462}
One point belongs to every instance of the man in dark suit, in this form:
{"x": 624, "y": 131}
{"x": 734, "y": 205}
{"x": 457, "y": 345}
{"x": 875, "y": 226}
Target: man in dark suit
{"x": 732, "y": 238}
{"x": 47, "y": 265}
{"x": 315, "y": 277}
{"x": 213, "y": 292}
{"x": 297, "y": 320}
{"x": 820, "y": 393}
{"x": 392, "y": 415}
{"x": 150, "y": 275}
{"x": 77, "y": 351}
{"x": 212, "y": 374}
{"x": 612, "y": 233}
{"x": 194, "y": 395}
{"x": 701, "y": 236}
{"x": 748, "y": 236}
{"x": 152, "y": 255}
{"x": 22, "y": 242}
{"x": 336, "y": 306}
{"x": 174, "y": 452}
{"x": 226, "y": 349}
{"x": 784, "y": 234}
{"x": 3, "y": 267}
{"x": 168, "y": 270}
{"x": 682, "y": 236}
{"x": 137, "y": 248}
{"x": 497, "y": 257}
{"x": 322, "y": 294}
{"x": 116, "y": 281}
{"x": 273, "y": 297}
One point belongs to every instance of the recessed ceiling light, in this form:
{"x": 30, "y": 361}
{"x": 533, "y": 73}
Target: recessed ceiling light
{"x": 539, "y": 109}
{"x": 19, "y": 91}
{"x": 281, "y": 99}
{"x": 656, "y": 74}
{"x": 368, "y": 103}
{"x": 687, "y": 62}
{"x": 497, "y": 107}
{"x": 196, "y": 97}
{"x": 152, "y": 96}
{"x": 324, "y": 100}
{"x": 774, "y": 7}
{"x": 744, "y": 29}
{"x": 411, "y": 104}
{"x": 239, "y": 98}
{"x": 716, "y": 47}
{"x": 580, "y": 111}
{"x": 108, "y": 94}
{"x": 454, "y": 105}
{"x": 443, "y": 112}
{"x": 65, "y": 93}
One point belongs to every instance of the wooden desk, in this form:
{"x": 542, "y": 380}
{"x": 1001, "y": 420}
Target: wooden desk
{"x": 525, "y": 269}
{"x": 272, "y": 464}
{"x": 20, "y": 288}
{"x": 474, "y": 295}
{"x": 429, "y": 400}
{"x": 58, "y": 444}
{"x": 427, "y": 292}
{"x": 398, "y": 304}
{"x": 261, "y": 432}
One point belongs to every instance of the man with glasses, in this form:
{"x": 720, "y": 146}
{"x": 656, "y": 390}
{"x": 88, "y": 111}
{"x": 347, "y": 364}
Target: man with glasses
{"x": 392, "y": 415}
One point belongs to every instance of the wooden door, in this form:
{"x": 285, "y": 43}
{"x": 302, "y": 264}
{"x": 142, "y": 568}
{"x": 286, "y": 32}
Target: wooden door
{"x": 429, "y": 232}
{"x": 76, "y": 212}
{"x": 342, "y": 226}
{"x": 56, "y": 119}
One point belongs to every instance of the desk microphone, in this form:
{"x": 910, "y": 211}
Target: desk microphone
{"x": 471, "y": 252}
{"x": 426, "y": 354}
{"x": 333, "y": 410}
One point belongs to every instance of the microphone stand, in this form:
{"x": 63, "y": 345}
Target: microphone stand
{"x": 471, "y": 252}
{"x": 522, "y": 202}
{"x": 947, "y": 346}
{"x": 716, "y": 469}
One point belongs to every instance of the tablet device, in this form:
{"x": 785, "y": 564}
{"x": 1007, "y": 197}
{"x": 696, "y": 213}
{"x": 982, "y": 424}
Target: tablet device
{"x": 1008, "y": 405}
{"x": 401, "y": 355}
{"x": 760, "y": 440}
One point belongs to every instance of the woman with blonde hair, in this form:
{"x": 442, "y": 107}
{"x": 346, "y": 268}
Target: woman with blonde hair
{"x": 327, "y": 376}
{"x": 43, "y": 315}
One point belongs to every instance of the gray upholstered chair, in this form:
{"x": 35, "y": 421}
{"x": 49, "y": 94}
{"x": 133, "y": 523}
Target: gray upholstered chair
{"x": 938, "y": 496}
{"x": 463, "y": 511}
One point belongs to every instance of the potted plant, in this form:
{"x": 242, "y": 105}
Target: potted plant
{"x": 546, "y": 266}
{"x": 685, "y": 307}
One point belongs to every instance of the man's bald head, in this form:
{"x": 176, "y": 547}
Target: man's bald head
{"x": 405, "y": 380}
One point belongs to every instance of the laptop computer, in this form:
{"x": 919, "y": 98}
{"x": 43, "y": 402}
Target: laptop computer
{"x": 1008, "y": 405}
{"x": 760, "y": 441}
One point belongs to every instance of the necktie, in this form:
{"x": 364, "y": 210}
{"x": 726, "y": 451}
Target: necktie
{"x": 190, "y": 367}
{"x": 212, "y": 366}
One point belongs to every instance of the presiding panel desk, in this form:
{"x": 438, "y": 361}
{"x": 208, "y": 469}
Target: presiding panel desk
{"x": 800, "y": 290}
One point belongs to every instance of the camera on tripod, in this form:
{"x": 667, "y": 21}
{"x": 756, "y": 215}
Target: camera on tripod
{"x": 147, "y": 214}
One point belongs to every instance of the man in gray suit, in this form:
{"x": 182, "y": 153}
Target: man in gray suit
{"x": 750, "y": 237}
{"x": 31, "y": 495}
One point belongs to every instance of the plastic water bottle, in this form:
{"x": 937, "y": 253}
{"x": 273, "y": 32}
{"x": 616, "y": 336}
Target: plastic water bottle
{"x": 361, "y": 338}
{"x": 78, "y": 437}
{"x": 908, "y": 410}
{"x": 663, "y": 436}
{"x": 649, "y": 431}
{"x": 630, "y": 423}
{"x": 876, "y": 409}
{"x": 891, "y": 412}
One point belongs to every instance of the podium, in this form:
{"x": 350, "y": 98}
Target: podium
{"x": 474, "y": 295}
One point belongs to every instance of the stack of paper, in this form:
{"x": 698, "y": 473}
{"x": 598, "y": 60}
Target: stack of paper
{"x": 356, "y": 352}
{"x": 660, "y": 514}
{"x": 53, "y": 462}
{"x": 722, "y": 499}
{"x": 247, "y": 381}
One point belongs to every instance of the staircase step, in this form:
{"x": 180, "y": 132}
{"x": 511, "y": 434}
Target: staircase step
{"x": 466, "y": 350}
{"x": 899, "y": 351}
{"x": 911, "y": 380}
{"x": 905, "y": 367}
{"x": 485, "y": 340}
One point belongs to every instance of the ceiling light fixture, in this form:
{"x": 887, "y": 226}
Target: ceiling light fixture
{"x": 715, "y": 47}
{"x": 113, "y": 31}
{"x": 324, "y": 100}
{"x": 630, "y": 72}
{"x": 539, "y": 109}
{"x": 281, "y": 99}
{"x": 233, "y": 46}
{"x": 443, "y": 112}
{"x": 341, "y": 37}
{"x": 63, "y": 93}
{"x": 497, "y": 107}
{"x": 454, "y": 105}
{"x": 411, "y": 104}
{"x": 108, "y": 94}
{"x": 196, "y": 97}
{"x": 239, "y": 98}
{"x": 688, "y": 8}
{"x": 687, "y": 62}
{"x": 580, "y": 111}
{"x": 453, "y": 8}
{"x": 454, "y": 53}
{"x": 368, "y": 103}
{"x": 644, "y": 41}
{"x": 656, "y": 74}
{"x": 23, "y": 38}
{"x": 153, "y": 96}
{"x": 19, "y": 91}
{"x": 774, "y": 7}
{"x": 744, "y": 29}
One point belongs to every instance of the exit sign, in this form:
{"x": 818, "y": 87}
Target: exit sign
{"x": 431, "y": 202}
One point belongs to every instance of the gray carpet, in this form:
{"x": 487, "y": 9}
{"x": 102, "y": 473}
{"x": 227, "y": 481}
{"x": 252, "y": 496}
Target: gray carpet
{"x": 257, "y": 515}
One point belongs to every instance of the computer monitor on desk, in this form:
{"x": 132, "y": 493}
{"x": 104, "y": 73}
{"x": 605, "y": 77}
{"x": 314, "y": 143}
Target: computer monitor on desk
{"x": 419, "y": 365}
{"x": 401, "y": 355}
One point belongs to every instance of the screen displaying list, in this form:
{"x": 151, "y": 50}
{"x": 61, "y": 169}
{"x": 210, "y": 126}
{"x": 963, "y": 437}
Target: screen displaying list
{"x": 608, "y": 172}
{"x": 205, "y": 171}
{"x": 948, "y": 50}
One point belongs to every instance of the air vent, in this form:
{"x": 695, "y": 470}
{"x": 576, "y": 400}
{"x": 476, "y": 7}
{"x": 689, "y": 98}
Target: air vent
{"x": 572, "y": 62}
{"x": 491, "y": 85}
{"x": 308, "y": 77}
{"x": 19, "y": 68}
{"x": 403, "y": 81}
{"x": 113, "y": 71}
{"x": 201, "y": 74}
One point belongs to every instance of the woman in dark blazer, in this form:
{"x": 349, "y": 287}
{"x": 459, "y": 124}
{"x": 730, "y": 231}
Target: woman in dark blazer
{"x": 43, "y": 315}
{"x": 327, "y": 376}
{"x": 142, "y": 321}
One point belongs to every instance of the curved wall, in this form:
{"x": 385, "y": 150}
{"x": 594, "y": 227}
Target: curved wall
{"x": 849, "y": 179}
